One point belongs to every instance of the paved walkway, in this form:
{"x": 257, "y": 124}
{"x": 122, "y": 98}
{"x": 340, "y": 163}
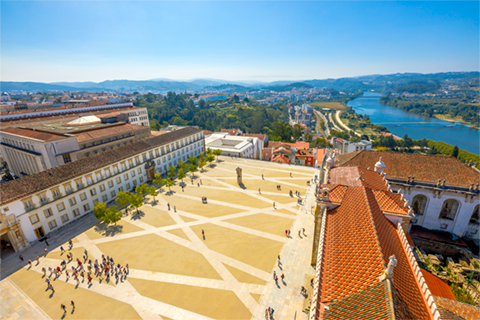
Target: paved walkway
{"x": 284, "y": 297}
{"x": 241, "y": 280}
{"x": 14, "y": 304}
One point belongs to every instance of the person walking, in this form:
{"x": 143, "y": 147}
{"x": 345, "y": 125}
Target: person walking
{"x": 72, "y": 304}
{"x": 203, "y": 234}
{"x": 274, "y": 274}
{"x": 286, "y": 233}
{"x": 29, "y": 263}
{"x": 274, "y": 205}
{"x": 168, "y": 205}
{"x": 44, "y": 271}
{"x": 175, "y": 208}
{"x": 283, "y": 277}
{"x": 62, "y": 306}
{"x": 45, "y": 250}
{"x": 20, "y": 257}
{"x": 51, "y": 288}
{"x": 70, "y": 242}
{"x": 37, "y": 259}
{"x": 263, "y": 177}
{"x": 47, "y": 280}
{"x": 61, "y": 249}
{"x": 259, "y": 191}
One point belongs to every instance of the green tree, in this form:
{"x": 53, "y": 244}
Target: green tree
{"x": 210, "y": 158}
{"x": 217, "y": 152}
{"x": 107, "y": 215}
{"x": 169, "y": 183}
{"x": 192, "y": 160}
{"x": 123, "y": 199}
{"x": 181, "y": 173}
{"x": 202, "y": 164}
{"x": 407, "y": 141}
{"x": 152, "y": 191}
{"x": 142, "y": 189}
{"x": 454, "y": 152}
{"x": 171, "y": 172}
{"x": 192, "y": 168}
{"x": 159, "y": 181}
{"x": 136, "y": 200}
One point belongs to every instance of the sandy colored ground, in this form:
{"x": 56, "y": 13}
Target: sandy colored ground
{"x": 299, "y": 182}
{"x": 227, "y": 167}
{"x": 286, "y": 211}
{"x": 179, "y": 233}
{"x": 264, "y": 185}
{"x": 34, "y": 286}
{"x": 209, "y": 210}
{"x": 281, "y": 199}
{"x": 154, "y": 217}
{"x": 223, "y": 195}
{"x": 187, "y": 219}
{"x": 214, "y": 303}
{"x": 256, "y": 296}
{"x": 243, "y": 276}
{"x": 77, "y": 252}
{"x": 264, "y": 222}
{"x": 256, "y": 251}
{"x": 154, "y": 253}
{"x": 101, "y": 230}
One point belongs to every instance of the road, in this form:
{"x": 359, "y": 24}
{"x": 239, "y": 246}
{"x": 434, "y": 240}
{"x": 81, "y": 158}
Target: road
{"x": 337, "y": 116}
{"x": 337, "y": 128}
{"x": 320, "y": 115}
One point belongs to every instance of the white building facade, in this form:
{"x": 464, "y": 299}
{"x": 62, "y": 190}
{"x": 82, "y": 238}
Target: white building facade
{"x": 235, "y": 146}
{"x": 47, "y": 201}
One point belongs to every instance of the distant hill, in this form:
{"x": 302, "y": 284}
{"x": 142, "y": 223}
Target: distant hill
{"x": 289, "y": 87}
{"x": 379, "y": 83}
{"x": 418, "y": 87}
{"x": 230, "y": 88}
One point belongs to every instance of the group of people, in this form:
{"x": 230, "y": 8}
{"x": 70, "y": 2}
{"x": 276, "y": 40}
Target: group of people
{"x": 204, "y": 199}
{"x": 269, "y": 313}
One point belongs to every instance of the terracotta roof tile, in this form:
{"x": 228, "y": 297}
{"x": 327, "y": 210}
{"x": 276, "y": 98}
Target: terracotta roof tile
{"x": 437, "y": 286}
{"x": 280, "y": 159}
{"x": 34, "y": 134}
{"x": 390, "y": 202}
{"x": 466, "y": 311}
{"x": 426, "y": 168}
{"x": 106, "y": 131}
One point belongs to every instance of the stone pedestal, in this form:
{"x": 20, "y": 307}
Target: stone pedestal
{"x": 239, "y": 175}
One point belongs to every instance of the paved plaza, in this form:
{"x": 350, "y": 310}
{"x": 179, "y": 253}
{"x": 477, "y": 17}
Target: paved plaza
{"x": 175, "y": 273}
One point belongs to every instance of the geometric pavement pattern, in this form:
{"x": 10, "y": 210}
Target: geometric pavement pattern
{"x": 177, "y": 274}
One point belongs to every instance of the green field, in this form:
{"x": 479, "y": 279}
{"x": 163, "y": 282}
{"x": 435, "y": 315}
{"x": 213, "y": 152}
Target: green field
{"x": 331, "y": 105}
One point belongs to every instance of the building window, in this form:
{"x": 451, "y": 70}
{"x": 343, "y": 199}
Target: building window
{"x": 52, "y": 224}
{"x": 139, "y": 170}
{"x": 86, "y": 207}
{"x": 72, "y": 201}
{"x": 65, "y": 218}
{"x": 119, "y": 180}
{"x": 128, "y": 186}
{"x": 68, "y": 189}
{"x": 133, "y": 173}
{"x": 473, "y": 231}
{"x": 95, "y": 201}
{"x": 34, "y": 219}
{"x": 48, "y": 212}
{"x": 66, "y": 158}
{"x": 125, "y": 176}
{"x": 79, "y": 184}
{"x": 134, "y": 183}
{"x": 449, "y": 209}
{"x": 93, "y": 192}
{"x": 120, "y": 189}
{"x": 60, "y": 207}
{"x": 56, "y": 193}
{"x": 418, "y": 204}
{"x": 76, "y": 213}
{"x": 110, "y": 184}
{"x": 83, "y": 196}
{"x": 112, "y": 193}
{"x": 104, "y": 198}
{"x": 475, "y": 215}
{"x": 141, "y": 179}
{"x": 102, "y": 187}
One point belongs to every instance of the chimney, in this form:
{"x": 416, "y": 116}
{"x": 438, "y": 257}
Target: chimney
{"x": 388, "y": 273}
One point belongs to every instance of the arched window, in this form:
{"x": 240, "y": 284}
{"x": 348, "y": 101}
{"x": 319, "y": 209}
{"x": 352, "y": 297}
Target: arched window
{"x": 449, "y": 209}
{"x": 475, "y": 215}
{"x": 418, "y": 204}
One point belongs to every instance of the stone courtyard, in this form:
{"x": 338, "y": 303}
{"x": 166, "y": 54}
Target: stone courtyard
{"x": 174, "y": 272}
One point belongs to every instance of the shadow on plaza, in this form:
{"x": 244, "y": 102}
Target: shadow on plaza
{"x": 109, "y": 230}
{"x": 136, "y": 215}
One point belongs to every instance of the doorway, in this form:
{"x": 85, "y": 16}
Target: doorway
{"x": 39, "y": 232}
{"x": 6, "y": 246}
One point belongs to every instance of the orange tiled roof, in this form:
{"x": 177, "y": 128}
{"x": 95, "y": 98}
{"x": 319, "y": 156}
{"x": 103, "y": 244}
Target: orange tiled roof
{"x": 281, "y": 159}
{"x": 356, "y": 252}
{"x": 466, "y": 311}
{"x": 425, "y": 168}
{"x": 353, "y": 176}
{"x": 390, "y": 202}
{"x": 34, "y": 133}
{"x": 105, "y": 131}
{"x": 437, "y": 286}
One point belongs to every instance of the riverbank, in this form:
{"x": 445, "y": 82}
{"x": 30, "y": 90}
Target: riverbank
{"x": 418, "y": 127}
{"x": 446, "y": 117}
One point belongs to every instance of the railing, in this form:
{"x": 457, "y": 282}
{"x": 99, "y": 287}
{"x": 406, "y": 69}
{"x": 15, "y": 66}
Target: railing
{"x": 30, "y": 208}
{"x": 44, "y": 201}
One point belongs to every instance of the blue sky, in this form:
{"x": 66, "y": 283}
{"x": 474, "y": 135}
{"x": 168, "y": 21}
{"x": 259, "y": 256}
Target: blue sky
{"x": 51, "y": 41}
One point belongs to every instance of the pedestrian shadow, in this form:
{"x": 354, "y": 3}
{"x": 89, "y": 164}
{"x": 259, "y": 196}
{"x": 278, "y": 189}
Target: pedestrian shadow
{"x": 108, "y": 231}
{"x": 280, "y": 267}
{"x": 64, "y": 315}
{"x": 278, "y": 286}
{"x": 284, "y": 283}
{"x": 51, "y": 295}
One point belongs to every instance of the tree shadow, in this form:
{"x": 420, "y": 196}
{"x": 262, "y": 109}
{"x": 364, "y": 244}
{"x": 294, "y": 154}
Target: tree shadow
{"x": 241, "y": 185}
{"x": 169, "y": 193}
{"x": 212, "y": 165}
{"x": 137, "y": 216}
{"x": 108, "y": 230}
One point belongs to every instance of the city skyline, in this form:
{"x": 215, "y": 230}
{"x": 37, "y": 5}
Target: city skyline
{"x": 97, "y": 41}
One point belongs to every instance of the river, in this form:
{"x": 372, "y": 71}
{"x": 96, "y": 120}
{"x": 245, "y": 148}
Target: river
{"x": 417, "y": 127}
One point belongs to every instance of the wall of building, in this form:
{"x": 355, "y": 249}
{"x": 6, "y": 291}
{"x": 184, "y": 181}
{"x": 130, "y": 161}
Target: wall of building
{"x": 101, "y": 185}
{"x": 430, "y": 219}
